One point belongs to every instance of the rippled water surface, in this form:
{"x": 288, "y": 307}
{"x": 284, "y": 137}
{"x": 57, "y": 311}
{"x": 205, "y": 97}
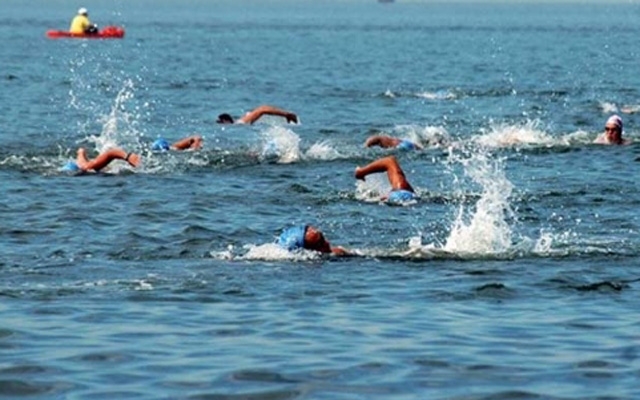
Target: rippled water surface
{"x": 513, "y": 276}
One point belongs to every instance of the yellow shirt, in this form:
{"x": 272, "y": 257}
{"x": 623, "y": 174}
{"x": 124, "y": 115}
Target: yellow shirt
{"x": 80, "y": 24}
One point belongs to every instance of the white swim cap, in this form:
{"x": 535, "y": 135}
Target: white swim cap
{"x": 615, "y": 120}
{"x": 83, "y": 11}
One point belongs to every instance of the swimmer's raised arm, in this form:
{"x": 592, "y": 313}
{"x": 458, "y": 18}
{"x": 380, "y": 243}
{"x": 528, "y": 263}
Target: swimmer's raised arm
{"x": 189, "y": 143}
{"x": 382, "y": 141}
{"x": 391, "y": 142}
{"x": 255, "y": 114}
{"x": 340, "y": 251}
{"x": 390, "y": 165}
{"x": 103, "y": 159}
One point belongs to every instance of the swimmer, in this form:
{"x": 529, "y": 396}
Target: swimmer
{"x": 254, "y": 115}
{"x": 391, "y": 142}
{"x": 307, "y": 237}
{"x": 401, "y": 190}
{"x": 189, "y": 143}
{"x": 612, "y": 132}
{"x": 83, "y": 164}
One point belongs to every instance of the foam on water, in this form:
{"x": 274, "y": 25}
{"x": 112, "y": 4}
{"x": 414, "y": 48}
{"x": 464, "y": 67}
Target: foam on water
{"x": 373, "y": 188}
{"x": 508, "y": 135}
{"x": 323, "y": 151}
{"x": 265, "y": 252}
{"x": 608, "y": 108}
{"x": 485, "y": 228}
{"x": 120, "y": 125}
{"x": 280, "y": 144}
{"x": 438, "y": 95}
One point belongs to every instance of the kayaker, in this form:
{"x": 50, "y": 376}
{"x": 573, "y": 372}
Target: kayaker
{"x": 81, "y": 24}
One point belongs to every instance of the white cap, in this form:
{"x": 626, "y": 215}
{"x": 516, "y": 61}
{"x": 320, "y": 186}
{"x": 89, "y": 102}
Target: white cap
{"x": 83, "y": 11}
{"x": 615, "y": 120}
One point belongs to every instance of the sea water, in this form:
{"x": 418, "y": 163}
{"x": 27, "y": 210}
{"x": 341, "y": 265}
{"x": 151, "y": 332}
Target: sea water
{"x": 512, "y": 276}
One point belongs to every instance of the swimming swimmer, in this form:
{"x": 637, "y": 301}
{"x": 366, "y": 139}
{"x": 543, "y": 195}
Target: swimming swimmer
{"x": 189, "y": 143}
{"x": 307, "y": 237}
{"x": 254, "y": 115}
{"x": 391, "y": 142}
{"x": 612, "y": 132}
{"x": 82, "y": 163}
{"x": 401, "y": 190}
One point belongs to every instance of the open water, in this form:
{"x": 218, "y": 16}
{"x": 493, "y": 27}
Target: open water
{"x": 515, "y": 276}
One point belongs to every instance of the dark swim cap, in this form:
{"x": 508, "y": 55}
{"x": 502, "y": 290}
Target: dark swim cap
{"x": 225, "y": 119}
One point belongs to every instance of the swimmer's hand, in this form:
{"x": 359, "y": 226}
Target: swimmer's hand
{"x": 133, "y": 159}
{"x": 291, "y": 117}
{"x": 339, "y": 251}
{"x": 359, "y": 174}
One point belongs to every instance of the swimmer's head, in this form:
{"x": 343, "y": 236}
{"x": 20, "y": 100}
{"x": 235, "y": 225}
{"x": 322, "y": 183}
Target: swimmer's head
{"x": 614, "y": 121}
{"x": 304, "y": 237}
{"x": 160, "y": 145}
{"x": 70, "y": 166}
{"x": 315, "y": 240}
{"x": 225, "y": 119}
{"x": 613, "y": 129}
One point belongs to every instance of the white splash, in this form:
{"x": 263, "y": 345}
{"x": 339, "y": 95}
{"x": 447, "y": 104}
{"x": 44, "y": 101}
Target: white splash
{"x": 608, "y": 108}
{"x": 578, "y": 137}
{"x": 483, "y": 228}
{"x": 505, "y": 135}
{"x": 119, "y": 126}
{"x": 281, "y": 145}
{"x": 142, "y": 284}
{"x": 323, "y": 151}
{"x": 373, "y": 188}
{"x": 273, "y": 252}
{"x": 439, "y": 95}
{"x": 426, "y": 136}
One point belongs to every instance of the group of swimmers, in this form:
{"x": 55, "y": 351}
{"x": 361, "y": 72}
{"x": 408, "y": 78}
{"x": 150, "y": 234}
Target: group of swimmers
{"x": 82, "y": 164}
{"x": 306, "y": 236}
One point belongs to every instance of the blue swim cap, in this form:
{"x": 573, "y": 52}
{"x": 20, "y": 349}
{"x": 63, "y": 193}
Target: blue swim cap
{"x": 292, "y": 238}
{"x": 406, "y": 145}
{"x": 70, "y": 166}
{"x": 160, "y": 145}
{"x": 400, "y": 196}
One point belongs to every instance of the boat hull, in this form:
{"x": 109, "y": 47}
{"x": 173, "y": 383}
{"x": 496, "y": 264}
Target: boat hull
{"x": 108, "y": 32}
